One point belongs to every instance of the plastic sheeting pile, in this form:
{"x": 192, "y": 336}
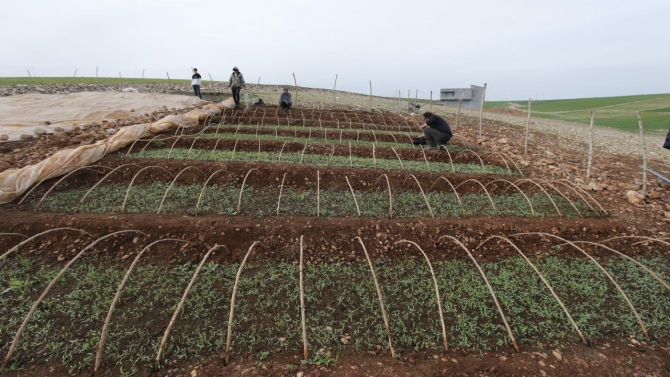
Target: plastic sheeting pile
{"x": 13, "y": 183}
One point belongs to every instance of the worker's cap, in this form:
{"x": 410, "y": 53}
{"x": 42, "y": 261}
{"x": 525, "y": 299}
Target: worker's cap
{"x": 195, "y": 69}
{"x": 235, "y": 69}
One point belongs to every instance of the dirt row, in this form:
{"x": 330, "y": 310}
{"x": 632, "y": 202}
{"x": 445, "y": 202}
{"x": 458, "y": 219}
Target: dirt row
{"x": 326, "y": 240}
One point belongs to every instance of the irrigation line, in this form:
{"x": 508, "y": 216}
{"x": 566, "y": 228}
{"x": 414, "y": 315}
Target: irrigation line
{"x": 630, "y": 304}
{"x": 46, "y": 291}
{"x": 302, "y": 304}
{"x": 486, "y": 280}
{"x": 546, "y": 283}
{"x": 229, "y": 338}
{"x": 437, "y": 290}
{"x": 125, "y": 197}
{"x": 103, "y": 334}
{"x": 166, "y": 334}
{"x": 15, "y": 248}
{"x": 379, "y": 295}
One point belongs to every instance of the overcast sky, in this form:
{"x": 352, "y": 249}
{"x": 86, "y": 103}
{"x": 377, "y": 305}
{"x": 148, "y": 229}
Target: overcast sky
{"x": 545, "y": 49}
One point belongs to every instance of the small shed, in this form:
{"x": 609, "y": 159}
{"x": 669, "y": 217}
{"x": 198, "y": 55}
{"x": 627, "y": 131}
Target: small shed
{"x": 471, "y": 98}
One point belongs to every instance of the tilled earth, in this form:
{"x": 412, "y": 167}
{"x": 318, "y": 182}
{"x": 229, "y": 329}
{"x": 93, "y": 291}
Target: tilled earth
{"x": 613, "y": 177}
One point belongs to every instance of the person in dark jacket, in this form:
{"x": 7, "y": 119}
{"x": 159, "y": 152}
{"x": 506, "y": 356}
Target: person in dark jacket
{"x": 436, "y": 130}
{"x": 666, "y": 145}
{"x": 285, "y": 100}
{"x": 196, "y": 81}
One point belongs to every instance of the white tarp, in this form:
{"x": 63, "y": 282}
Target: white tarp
{"x": 15, "y": 182}
{"x": 21, "y": 114}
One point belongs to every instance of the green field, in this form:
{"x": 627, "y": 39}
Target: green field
{"x": 6, "y": 81}
{"x": 616, "y": 112}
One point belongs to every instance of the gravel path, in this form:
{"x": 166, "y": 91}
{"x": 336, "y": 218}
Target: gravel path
{"x": 605, "y": 140}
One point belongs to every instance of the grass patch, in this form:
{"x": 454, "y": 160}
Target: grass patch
{"x": 262, "y": 202}
{"x": 615, "y": 112}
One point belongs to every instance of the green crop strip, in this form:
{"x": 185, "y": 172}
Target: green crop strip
{"x": 314, "y": 140}
{"x": 319, "y": 160}
{"x": 335, "y": 132}
{"x": 182, "y": 199}
{"x": 339, "y": 298}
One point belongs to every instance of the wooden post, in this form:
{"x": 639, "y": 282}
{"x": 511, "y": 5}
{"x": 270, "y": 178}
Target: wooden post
{"x": 481, "y": 110}
{"x": 29, "y": 76}
{"x": 458, "y": 112}
{"x": 644, "y": 155}
{"x": 119, "y": 74}
{"x": 335, "y": 88}
{"x": 525, "y": 143}
{"x": 75, "y": 73}
{"x": 431, "y": 101}
{"x": 370, "y": 95}
{"x": 259, "y": 80}
{"x": 408, "y": 94}
{"x": 96, "y": 72}
{"x": 210, "y": 78}
{"x": 168, "y": 75}
{"x": 588, "y": 164}
{"x": 416, "y": 96}
{"x": 142, "y": 73}
{"x": 296, "y": 88}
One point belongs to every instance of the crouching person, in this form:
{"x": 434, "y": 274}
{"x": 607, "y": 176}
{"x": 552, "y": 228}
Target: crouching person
{"x": 436, "y": 130}
{"x": 285, "y": 100}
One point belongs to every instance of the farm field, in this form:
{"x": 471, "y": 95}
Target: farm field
{"x": 318, "y": 239}
{"x": 616, "y": 112}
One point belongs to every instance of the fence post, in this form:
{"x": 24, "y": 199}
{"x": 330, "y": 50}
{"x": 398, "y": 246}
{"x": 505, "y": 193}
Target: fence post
{"x": 408, "y": 94}
{"x": 142, "y": 73}
{"x": 525, "y": 143}
{"x": 481, "y": 110}
{"x": 75, "y": 73}
{"x": 644, "y": 155}
{"x": 119, "y": 74}
{"x": 370, "y": 95}
{"x": 588, "y": 164}
{"x": 296, "y": 88}
{"x": 458, "y": 112}
{"x": 259, "y": 80}
{"x": 168, "y": 75}
{"x": 431, "y": 102}
{"x": 335, "y": 88}
{"x": 96, "y": 73}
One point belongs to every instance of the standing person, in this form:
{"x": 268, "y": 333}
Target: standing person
{"x": 285, "y": 100}
{"x": 236, "y": 81}
{"x": 436, "y": 130}
{"x": 196, "y": 80}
